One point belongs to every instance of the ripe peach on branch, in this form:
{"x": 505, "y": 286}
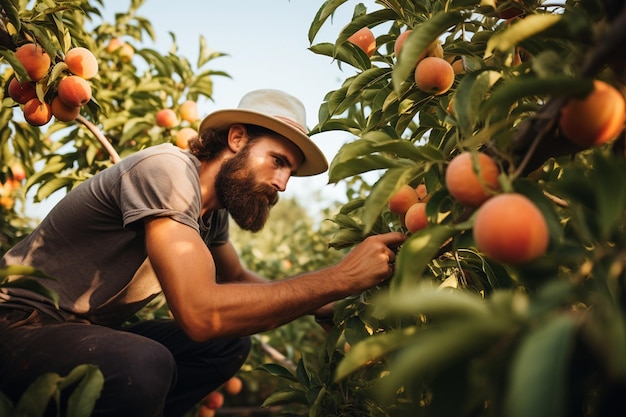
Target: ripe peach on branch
{"x": 74, "y": 91}
{"x": 364, "y": 39}
{"x": 34, "y": 59}
{"x": 510, "y": 229}
{"x": 82, "y": 62}
{"x": 595, "y": 119}
{"x": 472, "y": 178}
{"x": 434, "y": 75}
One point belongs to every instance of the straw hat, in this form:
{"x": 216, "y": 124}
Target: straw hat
{"x": 279, "y": 112}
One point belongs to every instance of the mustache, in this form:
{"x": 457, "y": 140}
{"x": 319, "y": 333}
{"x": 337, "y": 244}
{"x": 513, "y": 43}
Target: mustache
{"x": 267, "y": 191}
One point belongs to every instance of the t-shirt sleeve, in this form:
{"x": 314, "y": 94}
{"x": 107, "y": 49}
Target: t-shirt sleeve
{"x": 161, "y": 185}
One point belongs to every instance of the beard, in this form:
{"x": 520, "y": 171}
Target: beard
{"x": 248, "y": 201}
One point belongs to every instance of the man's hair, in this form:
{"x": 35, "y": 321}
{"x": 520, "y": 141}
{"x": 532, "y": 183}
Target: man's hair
{"x": 212, "y": 142}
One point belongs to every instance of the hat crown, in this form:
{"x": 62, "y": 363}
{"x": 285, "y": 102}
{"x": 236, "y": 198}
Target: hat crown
{"x": 276, "y": 103}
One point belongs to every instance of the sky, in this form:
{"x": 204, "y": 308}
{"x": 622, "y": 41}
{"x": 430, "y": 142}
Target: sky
{"x": 266, "y": 42}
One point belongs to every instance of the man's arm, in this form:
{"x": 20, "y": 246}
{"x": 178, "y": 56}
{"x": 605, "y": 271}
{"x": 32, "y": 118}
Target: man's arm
{"x": 228, "y": 267}
{"x": 206, "y": 309}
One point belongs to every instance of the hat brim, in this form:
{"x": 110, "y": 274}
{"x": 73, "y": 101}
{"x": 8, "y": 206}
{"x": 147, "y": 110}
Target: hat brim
{"x": 314, "y": 160}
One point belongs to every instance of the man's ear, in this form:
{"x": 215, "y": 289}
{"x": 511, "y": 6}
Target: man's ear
{"x": 237, "y": 137}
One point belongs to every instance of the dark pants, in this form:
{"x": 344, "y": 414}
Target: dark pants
{"x": 151, "y": 368}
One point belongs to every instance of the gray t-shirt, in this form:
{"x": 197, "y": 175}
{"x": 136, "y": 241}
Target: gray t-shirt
{"x": 92, "y": 242}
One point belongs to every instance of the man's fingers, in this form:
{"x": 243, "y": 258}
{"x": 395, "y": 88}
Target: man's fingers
{"x": 393, "y": 239}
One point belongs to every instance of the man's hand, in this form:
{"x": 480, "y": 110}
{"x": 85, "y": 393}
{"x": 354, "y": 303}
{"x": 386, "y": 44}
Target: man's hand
{"x": 371, "y": 262}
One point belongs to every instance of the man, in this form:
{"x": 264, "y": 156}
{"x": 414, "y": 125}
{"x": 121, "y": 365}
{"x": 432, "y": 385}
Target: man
{"x": 158, "y": 221}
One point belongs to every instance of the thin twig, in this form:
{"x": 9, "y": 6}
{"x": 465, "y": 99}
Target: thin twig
{"x": 101, "y": 138}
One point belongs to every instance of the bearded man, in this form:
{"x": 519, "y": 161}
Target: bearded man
{"x": 158, "y": 222}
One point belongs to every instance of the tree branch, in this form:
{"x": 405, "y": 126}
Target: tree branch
{"x": 101, "y": 138}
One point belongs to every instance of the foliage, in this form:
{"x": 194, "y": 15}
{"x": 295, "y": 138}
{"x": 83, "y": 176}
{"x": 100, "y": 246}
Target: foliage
{"x": 126, "y": 94}
{"x": 455, "y": 333}
{"x": 84, "y": 382}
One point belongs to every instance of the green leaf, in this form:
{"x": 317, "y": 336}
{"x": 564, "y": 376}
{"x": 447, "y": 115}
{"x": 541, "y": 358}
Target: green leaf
{"x": 540, "y": 374}
{"x": 83, "y": 398}
{"x": 468, "y": 97}
{"x": 12, "y": 13}
{"x": 295, "y": 396}
{"x": 37, "y": 396}
{"x": 509, "y": 92}
{"x": 519, "y": 31}
{"x": 277, "y": 370}
{"x": 22, "y": 270}
{"x": 324, "y": 12}
{"x": 609, "y": 179}
{"x": 383, "y": 189}
{"x": 417, "y": 252}
{"x": 433, "y": 302}
{"x": 436, "y": 349}
{"x": 368, "y": 78}
{"x": 373, "y": 348}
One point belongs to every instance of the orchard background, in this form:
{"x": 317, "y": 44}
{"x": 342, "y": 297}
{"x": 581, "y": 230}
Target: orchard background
{"x": 516, "y": 312}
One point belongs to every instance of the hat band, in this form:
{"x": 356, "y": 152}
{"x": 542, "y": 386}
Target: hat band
{"x": 292, "y": 123}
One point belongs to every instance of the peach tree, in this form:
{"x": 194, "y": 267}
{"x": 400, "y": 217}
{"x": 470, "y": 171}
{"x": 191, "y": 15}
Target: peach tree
{"x": 110, "y": 110}
{"x": 461, "y": 329}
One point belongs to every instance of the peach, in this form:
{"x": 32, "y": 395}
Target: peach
{"x": 434, "y": 75}
{"x": 233, "y": 386}
{"x": 463, "y": 181}
{"x": 213, "y": 400}
{"x": 510, "y": 229}
{"x": 184, "y": 135}
{"x": 34, "y": 59}
{"x": 21, "y": 92}
{"x": 37, "y": 113}
{"x": 595, "y": 119}
{"x": 415, "y": 218}
{"x": 63, "y": 112}
{"x": 189, "y": 111}
{"x": 82, "y": 62}
{"x": 399, "y": 43}
{"x": 17, "y": 172}
{"x": 365, "y": 40}
{"x": 75, "y": 91}
{"x": 421, "y": 191}
{"x": 166, "y": 118}
{"x": 113, "y": 45}
{"x": 124, "y": 50}
{"x": 402, "y": 199}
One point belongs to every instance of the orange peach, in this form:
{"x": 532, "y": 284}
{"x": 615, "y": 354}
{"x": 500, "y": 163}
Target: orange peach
{"x": 189, "y": 111}
{"x": 63, "y": 112}
{"x": 402, "y": 199}
{"x": 510, "y": 229}
{"x": 37, "y": 113}
{"x": 82, "y": 62}
{"x": 166, "y": 118}
{"x": 595, "y": 119}
{"x": 415, "y": 218}
{"x": 184, "y": 135}
{"x": 472, "y": 181}
{"x": 21, "y": 92}
{"x": 34, "y": 59}
{"x": 434, "y": 75}
{"x": 75, "y": 91}
{"x": 365, "y": 40}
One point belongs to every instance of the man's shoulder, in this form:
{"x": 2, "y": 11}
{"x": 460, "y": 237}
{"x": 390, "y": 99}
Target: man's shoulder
{"x": 158, "y": 153}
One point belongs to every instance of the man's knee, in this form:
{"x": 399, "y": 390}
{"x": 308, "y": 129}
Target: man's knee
{"x": 137, "y": 381}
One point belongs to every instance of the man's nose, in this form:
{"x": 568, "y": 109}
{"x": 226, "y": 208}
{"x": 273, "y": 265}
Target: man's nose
{"x": 280, "y": 180}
